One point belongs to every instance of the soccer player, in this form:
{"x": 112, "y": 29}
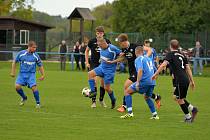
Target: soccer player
{"x": 144, "y": 84}
{"x": 105, "y": 70}
{"x": 128, "y": 50}
{"x": 182, "y": 76}
{"x": 94, "y": 62}
{"x": 28, "y": 60}
{"x": 151, "y": 53}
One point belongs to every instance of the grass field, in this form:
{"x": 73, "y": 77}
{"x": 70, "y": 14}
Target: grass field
{"x": 66, "y": 114}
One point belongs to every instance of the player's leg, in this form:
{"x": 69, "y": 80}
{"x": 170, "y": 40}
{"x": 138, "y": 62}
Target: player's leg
{"x": 181, "y": 93}
{"x": 128, "y": 99}
{"x": 107, "y": 87}
{"x": 127, "y": 83}
{"x": 108, "y": 80}
{"x": 32, "y": 84}
{"x": 91, "y": 81}
{"x": 102, "y": 93}
{"x": 193, "y": 109}
{"x": 20, "y": 91}
{"x": 36, "y": 95}
{"x": 20, "y": 81}
{"x": 93, "y": 105}
{"x": 147, "y": 97}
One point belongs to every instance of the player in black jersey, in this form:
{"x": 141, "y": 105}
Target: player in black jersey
{"x": 183, "y": 77}
{"x": 94, "y": 62}
{"x": 129, "y": 53}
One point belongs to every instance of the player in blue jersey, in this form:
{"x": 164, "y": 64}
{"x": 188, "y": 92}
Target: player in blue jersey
{"x": 151, "y": 53}
{"x": 144, "y": 84}
{"x": 28, "y": 60}
{"x": 106, "y": 70}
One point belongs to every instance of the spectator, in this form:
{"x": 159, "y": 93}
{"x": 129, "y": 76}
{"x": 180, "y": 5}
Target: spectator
{"x": 63, "y": 48}
{"x": 198, "y": 53}
{"x": 76, "y": 55}
{"x": 82, "y": 54}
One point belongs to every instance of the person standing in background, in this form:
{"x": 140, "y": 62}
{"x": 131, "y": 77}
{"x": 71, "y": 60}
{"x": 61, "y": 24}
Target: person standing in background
{"x": 82, "y": 54}
{"x": 63, "y": 48}
{"x": 76, "y": 55}
{"x": 198, "y": 53}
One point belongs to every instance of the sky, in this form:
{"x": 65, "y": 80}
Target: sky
{"x": 65, "y": 7}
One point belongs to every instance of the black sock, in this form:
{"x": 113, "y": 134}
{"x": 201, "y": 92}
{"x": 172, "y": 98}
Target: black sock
{"x": 102, "y": 93}
{"x": 153, "y": 96}
{"x": 186, "y": 102}
{"x": 94, "y": 97}
{"x": 124, "y": 103}
{"x": 184, "y": 108}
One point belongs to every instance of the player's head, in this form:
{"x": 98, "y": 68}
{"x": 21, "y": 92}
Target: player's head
{"x": 102, "y": 43}
{"x": 147, "y": 43}
{"x": 123, "y": 40}
{"x": 32, "y": 46}
{"x": 174, "y": 44}
{"x": 139, "y": 51}
{"x": 99, "y": 31}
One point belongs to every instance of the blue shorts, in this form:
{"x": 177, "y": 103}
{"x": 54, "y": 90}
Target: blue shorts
{"x": 147, "y": 89}
{"x": 26, "y": 79}
{"x": 108, "y": 76}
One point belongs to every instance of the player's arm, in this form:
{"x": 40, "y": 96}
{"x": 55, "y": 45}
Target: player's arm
{"x": 161, "y": 68}
{"x": 87, "y": 57}
{"x": 120, "y": 58}
{"x": 41, "y": 70}
{"x": 13, "y": 69}
{"x": 189, "y": 73}
{"x": 139, "y": 75}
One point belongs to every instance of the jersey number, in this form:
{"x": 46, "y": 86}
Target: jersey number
{"x": 150, "y": 65}
{"x": 180, "y": 58}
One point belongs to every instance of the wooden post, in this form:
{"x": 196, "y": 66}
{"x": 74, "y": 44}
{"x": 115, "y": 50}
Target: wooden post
{"x": 81, "y": 29}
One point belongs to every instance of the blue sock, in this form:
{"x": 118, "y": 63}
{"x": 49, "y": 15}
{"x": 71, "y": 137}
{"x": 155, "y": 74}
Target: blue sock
{"x": 36, "y": 96}
{"x": 92, "y": 84}
{"x": 150, "y": 104}
{"x": 111, "y": 95}
{"x": 128, "y": 100}
{"x": 21, "y": 93}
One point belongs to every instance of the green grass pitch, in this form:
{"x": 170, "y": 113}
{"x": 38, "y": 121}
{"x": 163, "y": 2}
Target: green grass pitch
{"x": 66, "y": 114}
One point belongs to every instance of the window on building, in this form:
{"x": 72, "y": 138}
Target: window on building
{"x": 3, "y": 34}
{"x": 21, "y": 37}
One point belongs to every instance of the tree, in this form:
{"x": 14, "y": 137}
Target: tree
{"x": 17, "y": 8}
{"x": 161, "y": 16}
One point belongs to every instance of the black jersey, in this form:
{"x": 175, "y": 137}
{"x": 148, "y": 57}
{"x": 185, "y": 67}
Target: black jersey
{"x": 95, "y": 50}
{"x": 177, "y": 62}
{"x": 130, "y": 56}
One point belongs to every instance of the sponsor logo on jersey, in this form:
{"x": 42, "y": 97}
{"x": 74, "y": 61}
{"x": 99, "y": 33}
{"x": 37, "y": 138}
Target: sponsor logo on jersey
{"x": 28, "y": 63}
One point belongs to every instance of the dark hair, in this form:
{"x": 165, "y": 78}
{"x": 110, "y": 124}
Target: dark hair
{"x": 174, "y": 44}
{"x": 122, "y": 37}
{"x": 99, "y": 29}
{"x": 146, "y": 41}
{"x": 31, "y": 43}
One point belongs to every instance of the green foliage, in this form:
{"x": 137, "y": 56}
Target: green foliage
{"x": 161, "y": 16}
{"x": 17, "y": 8}
{"x": 103, "y": 15}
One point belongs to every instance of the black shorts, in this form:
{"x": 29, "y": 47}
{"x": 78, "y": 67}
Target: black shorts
{"x": 181, "y": 90}
{"x": 93, "y": 65}
{"x": 133, "y": 78}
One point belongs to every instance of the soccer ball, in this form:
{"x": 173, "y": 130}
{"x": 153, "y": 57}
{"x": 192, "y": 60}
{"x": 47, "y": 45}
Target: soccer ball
{"x": 86, "y": 91}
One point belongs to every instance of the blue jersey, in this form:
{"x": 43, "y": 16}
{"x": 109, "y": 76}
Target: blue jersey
{"x": 109, "y": 54}
{"x": 28, "y": 61}
{"x": 145, "y": 63}
{"x": 153, "y": 56}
